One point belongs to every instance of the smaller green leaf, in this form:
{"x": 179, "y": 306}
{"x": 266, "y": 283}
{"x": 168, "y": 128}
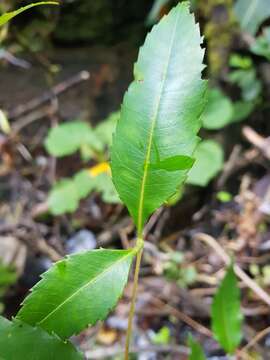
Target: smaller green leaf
{"x": 77, "y": 291}
{"x": 162, "y": 337}
{"x": 21, "y": 341}
{"x": 224, "y": 196}
{"x": 84, "y": 183}
{"x": 8, "y": 16}
{"x": 66, "y": 194}
{"x": 226, "y": 313}
{"x": 209, "y": 161}
{"x": 106, "y": 128}
{"x": 63, "y": 197}
{"x": 105, "y": 186}
{"x": 218, "y": 111}
{"x": 262, "y": 44}
{"x": 240, "y": 61}
{"x": 4, "y": 123}
{"x": 70, "y": 137}
{"x": 241, "y": 110}
{"x": 196, "y": 350}
{"x": 251, "y": 14}
{"x": 248, "y": 82}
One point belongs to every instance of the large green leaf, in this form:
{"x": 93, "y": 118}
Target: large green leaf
{"x": 157, "y": 131}
{"x": 77, "y": 291}
{"x": 252, "y": 13}
{"x": 209, "y": 161}
{"x": 196, "y": 350}
{"x": 226, "y": 313}
{"x": 8, "y": 16}
{"x": 21, "y": 341}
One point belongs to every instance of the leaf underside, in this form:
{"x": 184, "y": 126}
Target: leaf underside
{"x": 157, "y": 131}
{"x": 226, "y": 313}
{"x": 8, "y": 16}
{"x": 77, "y": 291}
{"x": 21, "y": 341}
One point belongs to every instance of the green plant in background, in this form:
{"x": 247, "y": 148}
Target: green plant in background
{"x": 92, "y": 143}
{"x": 8, "y": 277}
{"x": 175, "y": 270}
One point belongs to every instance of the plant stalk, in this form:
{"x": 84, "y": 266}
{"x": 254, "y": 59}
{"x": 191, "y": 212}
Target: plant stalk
{"x": 139, "y": 250}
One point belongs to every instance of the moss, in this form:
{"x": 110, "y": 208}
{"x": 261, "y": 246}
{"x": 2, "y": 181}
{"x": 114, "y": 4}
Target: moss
{"x": 219, "y": 31}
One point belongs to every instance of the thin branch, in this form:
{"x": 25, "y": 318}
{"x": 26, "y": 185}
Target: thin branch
{"x": 210, "y": 241}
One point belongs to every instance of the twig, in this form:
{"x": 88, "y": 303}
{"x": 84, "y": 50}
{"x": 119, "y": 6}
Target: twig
{"x": 210, "y": 241}
{"x": 49, "y": 95}
{"x": 229, "y": 165}
{"x": 257, "y": 140}
{"x": 183, "y": 317}
{"x": 256, "y": 339}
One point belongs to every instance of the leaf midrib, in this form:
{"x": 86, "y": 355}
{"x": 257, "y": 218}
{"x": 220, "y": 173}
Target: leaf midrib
{"x": 89, "y": 283}
{"x": 151, "y": 134}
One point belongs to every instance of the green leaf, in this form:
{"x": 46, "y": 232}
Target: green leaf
{"x": 21, "y": 341}
{"x": 226, "y": 313}
{"x": 106, "y": 128}
{"x": 241, "y": 110}
{"x": 8, "y": 16}
{"x": 162, "y": 337}
{"x": 66, "y": 194}
{"x": 218, "y": 111}
{"x": 84, "y": 183}
{"x": 251, "y": 14}
{"x": 248, "y": 82}
{"x": 262, "y": 44}
{"x": 196, "y": 350}
{"x": 63, "y": 197}
{"x": 67, "y": 138}
{"x": 224, "y": 196}
{"x": 105, "y": 186}
{"x": 209, "y": 161}
{"x": 160, "y": 115}
{"x": 77, "y": 291}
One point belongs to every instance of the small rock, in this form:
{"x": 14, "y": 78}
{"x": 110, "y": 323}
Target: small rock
{"x": 81, "y": 241}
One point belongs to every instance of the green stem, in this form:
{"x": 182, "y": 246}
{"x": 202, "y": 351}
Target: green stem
{"x": 139, "y": 250}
